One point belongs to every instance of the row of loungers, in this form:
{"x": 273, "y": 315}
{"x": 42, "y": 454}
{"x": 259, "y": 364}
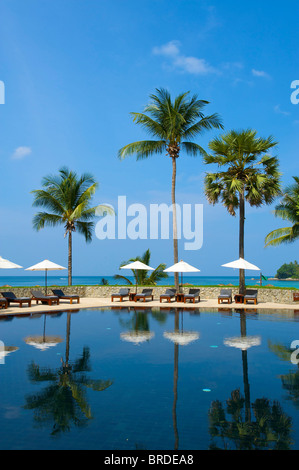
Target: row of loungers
{"x": 225, "y": 295}
{"x": 148, "y": 294}
{"x": 10, "y": 298}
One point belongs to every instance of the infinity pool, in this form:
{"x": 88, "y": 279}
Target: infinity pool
{"x": 149, "y": 379}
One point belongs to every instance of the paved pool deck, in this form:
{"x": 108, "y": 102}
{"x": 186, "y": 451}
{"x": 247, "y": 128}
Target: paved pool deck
{"x": 88, "y": 303}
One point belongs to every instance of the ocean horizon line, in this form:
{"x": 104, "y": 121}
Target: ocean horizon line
{"x": 199, "y": 280}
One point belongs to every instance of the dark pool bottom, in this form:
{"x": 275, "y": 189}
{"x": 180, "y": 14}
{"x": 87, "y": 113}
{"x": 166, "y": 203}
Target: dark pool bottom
{"x": 150, "y": 379}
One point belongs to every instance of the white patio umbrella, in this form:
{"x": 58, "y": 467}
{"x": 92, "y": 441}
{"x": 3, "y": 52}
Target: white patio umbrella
{"x": 6, "y": 264}
{"x": 5, "y": 351}
{"x": 46, "y": 266}
{"x": 241, "y": 264}
{"x": 182, "y": 267}
{"x": 136, "y": 266}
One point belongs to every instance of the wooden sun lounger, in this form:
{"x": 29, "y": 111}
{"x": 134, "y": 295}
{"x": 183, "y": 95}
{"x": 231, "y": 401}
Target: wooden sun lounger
{"x": 169, "y": 294}
{"x": 120, "y": 295}
{"x": 146, "y": 293}
{"x": 3, "y": 303}
{"x": 193, "y": 294}
{"x": 62, "y": 296}
{"x": 225, "y": 295}
{"x": 11, "y": 298}
{"x": 250, "y": 295}
{"x": 38, "y": 296}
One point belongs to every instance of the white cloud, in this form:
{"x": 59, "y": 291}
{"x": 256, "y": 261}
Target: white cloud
{"x": 260, "y": 73}
{"x": 189, "y": 64}
{"x": 280, "y": 111}
{"x": 21, "y": 152}
{"x": 171, "y": 49}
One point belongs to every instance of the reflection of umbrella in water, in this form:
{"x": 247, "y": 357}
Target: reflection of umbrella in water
{"x": 43, "y": 342}
{"x": 137, "y": 337}
{"x": 6, "y": 351}
{"x": 243, "y": 342}
{"x": 179, "y": 336}
{"x": 183, "y": 338}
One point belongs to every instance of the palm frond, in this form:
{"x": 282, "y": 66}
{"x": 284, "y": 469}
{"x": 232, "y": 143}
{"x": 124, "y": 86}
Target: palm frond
{"x": 123, "y": 278}
{"x": 43, "y": 219}
{"x": 142, "y": 149}
{"x": 279, "y": 236}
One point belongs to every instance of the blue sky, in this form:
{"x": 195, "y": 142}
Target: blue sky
{"x": 74, "y": 70}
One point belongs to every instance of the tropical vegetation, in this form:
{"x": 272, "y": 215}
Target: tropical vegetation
{"x": 173, "y": 123}
{"x": 288, "y": 270}
{"x": 67, "y": 198}
{"x": 288, "y": 210}
{"x": 142, "y": 277}
{"x": 247, "y": 173}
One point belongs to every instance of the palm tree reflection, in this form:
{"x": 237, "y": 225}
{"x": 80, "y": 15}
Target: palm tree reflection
{"x": 180, "y": 338}
{"x": 63, "y": 402}
{"x": 244, "y": 425}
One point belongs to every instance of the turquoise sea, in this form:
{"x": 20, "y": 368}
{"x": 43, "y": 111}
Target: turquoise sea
{"x": 39, "y": 280}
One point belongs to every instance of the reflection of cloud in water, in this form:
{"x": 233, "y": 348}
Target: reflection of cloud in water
{"x": 11, "y": 412}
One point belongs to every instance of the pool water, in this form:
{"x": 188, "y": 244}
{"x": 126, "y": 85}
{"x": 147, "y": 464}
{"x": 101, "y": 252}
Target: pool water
{"x": 149, "y": 379}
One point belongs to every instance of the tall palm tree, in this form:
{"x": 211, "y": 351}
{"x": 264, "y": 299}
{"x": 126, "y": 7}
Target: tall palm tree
{"x": 287, "y": 209}
{"x": 141, "y": 276}
{"x": 67, "y": 197}
{"x": 173, "y": 124}
{"x": 247, "y": 173}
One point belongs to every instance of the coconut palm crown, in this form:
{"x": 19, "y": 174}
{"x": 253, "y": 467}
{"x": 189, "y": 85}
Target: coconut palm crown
{"x": 287, "y": 209}
{"x": 247, "y": 173}
{"x": 67, "y": 199}
{"x": 173, "y": 124}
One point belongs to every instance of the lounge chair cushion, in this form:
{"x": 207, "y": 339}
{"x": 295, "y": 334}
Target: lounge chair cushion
{"x": 11, "y": 296}
{"x": 169, "y": 293}
{"x": 251, "y": 294}
{"x": 122, "y": 293}
{"x": 38, "y": 294}
{"x": 225, "y": 293}
{"x": 60, "y": 293}
{"x": 192, "y": 293}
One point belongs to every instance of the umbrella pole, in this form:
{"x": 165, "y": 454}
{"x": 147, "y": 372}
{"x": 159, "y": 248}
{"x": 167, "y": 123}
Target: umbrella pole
{"x": 46, "y": 281}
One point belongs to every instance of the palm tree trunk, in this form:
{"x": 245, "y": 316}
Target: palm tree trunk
{"x": 175, "y": 231}
{"x": 70, "y": 260}
{"x": 241, "y": 242}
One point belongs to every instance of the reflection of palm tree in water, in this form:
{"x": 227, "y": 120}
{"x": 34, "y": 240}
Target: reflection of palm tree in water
{"x": 290, "y": 381}
{"x": 179, "y": 337}
{"x": 175, "y": 384}
{"x": 63, "y": 402}
{"x": 270, "y": 428}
